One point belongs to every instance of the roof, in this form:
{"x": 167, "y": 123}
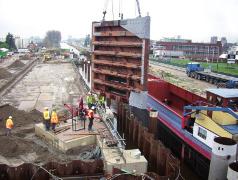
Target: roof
{"x": 225, "y": 93}
{"x": 233, "y": 128}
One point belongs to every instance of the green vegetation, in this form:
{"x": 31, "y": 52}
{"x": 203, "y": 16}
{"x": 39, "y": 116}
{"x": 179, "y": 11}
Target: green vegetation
{"x": 230, "y": 69}
{"x": 52, "y": 39}
{"x": 3, "y": 54}
{"x": 10, "y": 40}
{"x": 4, "y": 45}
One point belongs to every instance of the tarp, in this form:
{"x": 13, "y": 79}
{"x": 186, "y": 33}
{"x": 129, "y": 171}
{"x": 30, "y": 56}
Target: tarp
{"x": 4, "y": 49}
{"x": 223, "y": 56}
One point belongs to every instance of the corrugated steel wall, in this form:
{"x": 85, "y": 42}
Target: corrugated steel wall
{"x": 73, "y": 168}
{"x": 160, "y": 158}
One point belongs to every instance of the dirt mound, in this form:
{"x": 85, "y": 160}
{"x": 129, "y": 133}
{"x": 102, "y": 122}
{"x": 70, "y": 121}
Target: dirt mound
{"x": 20, "y": 118}
{"x": 4, "y": 73}
{"x": 15, "y": 146}
{"x": 17, "y": 64}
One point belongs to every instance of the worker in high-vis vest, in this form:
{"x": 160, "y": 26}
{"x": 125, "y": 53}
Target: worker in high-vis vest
{"x": 89, "y": 100}
{"x": 101, "y": 100}
{"x": 91, "y": 118}
{"x": 54, "y": 119}
{"x": 9, "y": 125}
{"x": 46, "y": 116}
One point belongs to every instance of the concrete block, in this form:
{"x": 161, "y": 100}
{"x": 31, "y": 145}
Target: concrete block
{"x": 124, "y": 159}
{"x": 62, "y": 142}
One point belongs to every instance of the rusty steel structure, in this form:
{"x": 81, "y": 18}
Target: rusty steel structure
{"x": 75, "y": 168}
{"x": 141, "y": 132}
{"x": 120, "y": 57}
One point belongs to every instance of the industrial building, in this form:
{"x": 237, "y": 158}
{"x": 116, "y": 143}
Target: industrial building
{"x": 188, "y": 49}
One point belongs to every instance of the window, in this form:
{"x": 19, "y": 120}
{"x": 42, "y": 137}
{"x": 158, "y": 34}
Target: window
{"x": 202, "y": 133}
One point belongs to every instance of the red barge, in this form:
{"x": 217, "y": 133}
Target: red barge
{"x": 179, "y": 126}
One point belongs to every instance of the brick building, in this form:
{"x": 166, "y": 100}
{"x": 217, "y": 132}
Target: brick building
{"x": 191, "y": 50}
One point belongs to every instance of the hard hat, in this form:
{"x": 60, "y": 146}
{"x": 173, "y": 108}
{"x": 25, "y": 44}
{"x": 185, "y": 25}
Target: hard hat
{"x": 10, "y": 117}
{"x": 93, "y": 108}
{"x": 46, "y": 108}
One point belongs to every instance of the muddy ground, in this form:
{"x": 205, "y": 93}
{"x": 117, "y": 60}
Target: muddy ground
{"x": 23, "y": 146}
{"x": 4, "y": 74}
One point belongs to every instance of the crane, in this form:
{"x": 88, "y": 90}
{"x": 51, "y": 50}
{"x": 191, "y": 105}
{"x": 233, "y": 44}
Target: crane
{"x": 138, "y": 7}
{"x": 106, "y": 4}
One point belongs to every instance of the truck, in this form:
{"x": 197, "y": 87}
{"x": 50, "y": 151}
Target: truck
{"x": 195, "y": 70}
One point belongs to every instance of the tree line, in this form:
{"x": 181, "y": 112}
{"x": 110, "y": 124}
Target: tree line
{"x": 9, "y": 43}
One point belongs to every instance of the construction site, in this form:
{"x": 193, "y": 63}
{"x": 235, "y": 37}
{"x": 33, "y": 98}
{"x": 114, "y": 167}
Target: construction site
{"x": 114, "y": 115}
{"x": 118, "y": 68}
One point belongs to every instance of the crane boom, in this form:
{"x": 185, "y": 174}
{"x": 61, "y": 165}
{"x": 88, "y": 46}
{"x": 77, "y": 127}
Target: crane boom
{"x": 138, "y": 7}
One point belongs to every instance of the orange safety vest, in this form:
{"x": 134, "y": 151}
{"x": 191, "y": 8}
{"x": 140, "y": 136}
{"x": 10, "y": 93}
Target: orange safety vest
{"x": 54, "y": 117}
{"x": 90, "y": 113}
{"x": 9, "y": 124}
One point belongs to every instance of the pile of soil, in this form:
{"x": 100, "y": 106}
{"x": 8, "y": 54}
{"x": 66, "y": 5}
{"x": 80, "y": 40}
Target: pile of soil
{"x": 17, "y": 64}
{"x": 4, "y": 74}
{"x": 23, "y": 144}
{"x": 20, "y": 118}
{"x": 14, "y": 146}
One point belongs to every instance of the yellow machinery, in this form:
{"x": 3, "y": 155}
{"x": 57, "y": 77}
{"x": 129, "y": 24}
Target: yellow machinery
{"x": 47, "y": 57}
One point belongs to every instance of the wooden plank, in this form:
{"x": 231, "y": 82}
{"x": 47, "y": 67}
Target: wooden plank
{"x": 80, "y": 134}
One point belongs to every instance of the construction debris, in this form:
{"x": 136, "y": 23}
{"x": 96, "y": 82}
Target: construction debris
{"x": 61, "y": 129}
{"x": 16, "y": 64}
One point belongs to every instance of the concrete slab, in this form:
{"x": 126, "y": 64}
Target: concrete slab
{"x": 45, "y": 97}
{"x": 27, "y": 105}
{"x": 47, "y": 89}
{"x": 47, "y": 84}
{"x": 41, "y": 104}
{"x": 63, "y": 141}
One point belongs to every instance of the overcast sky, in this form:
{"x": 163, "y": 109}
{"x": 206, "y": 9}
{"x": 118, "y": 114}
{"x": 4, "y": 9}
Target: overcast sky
{"x": 193, "y": 19}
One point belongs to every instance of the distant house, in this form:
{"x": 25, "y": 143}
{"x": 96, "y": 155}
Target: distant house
{"x": 23, "y": 51}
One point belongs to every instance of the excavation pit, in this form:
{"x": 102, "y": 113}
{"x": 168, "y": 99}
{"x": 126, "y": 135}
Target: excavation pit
{"x": 68, "y": 139}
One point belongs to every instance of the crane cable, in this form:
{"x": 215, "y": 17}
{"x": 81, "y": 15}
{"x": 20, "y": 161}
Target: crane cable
{"x": 120, "y": 10}
{"x": 112, "y": 11}
{"x": 105, "y": 9}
